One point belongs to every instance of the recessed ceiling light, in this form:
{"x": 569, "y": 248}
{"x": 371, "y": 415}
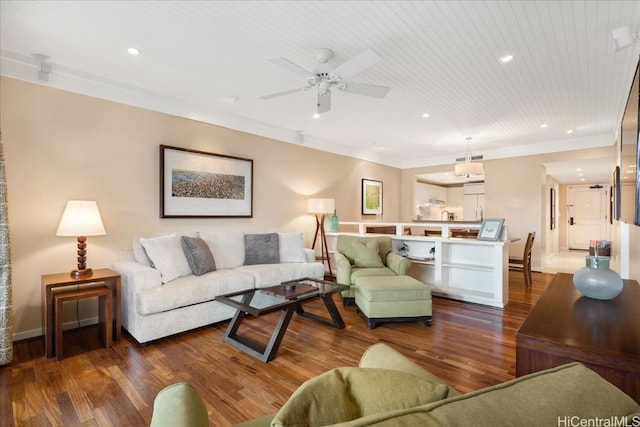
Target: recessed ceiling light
{"x": 506, "y": 58}
{"x": 133, "y": 51}
{"x": 570, "y": 131}
{"x": 544, "y": 125}
{"x": 425, "y": 115}
{"x": 316, "y": 115}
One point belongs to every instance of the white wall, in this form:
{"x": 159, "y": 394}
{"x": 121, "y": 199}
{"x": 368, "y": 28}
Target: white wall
{"x": 60, "y": 145}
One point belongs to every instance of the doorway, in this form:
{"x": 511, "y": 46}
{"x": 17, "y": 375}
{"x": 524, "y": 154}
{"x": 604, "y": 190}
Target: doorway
{"x": 587, "y": 209}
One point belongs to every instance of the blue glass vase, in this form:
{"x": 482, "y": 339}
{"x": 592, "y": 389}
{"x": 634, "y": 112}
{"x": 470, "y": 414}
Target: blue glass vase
{"x": 335, "y": 224}
{"x": 596, "y": 280}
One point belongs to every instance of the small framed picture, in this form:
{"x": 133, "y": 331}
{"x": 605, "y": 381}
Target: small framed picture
{"x": 371, "y": 197}
{"x": 491, "y": 229}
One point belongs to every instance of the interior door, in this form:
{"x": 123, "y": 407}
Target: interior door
{"x": 587, "y": 209}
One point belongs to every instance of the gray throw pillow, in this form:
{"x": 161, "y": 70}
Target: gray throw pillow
{"x": 198, "y": 255}
{"x": 261, "y": 249}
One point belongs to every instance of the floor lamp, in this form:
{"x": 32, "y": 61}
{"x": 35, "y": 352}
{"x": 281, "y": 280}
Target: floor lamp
{"x": 321, "y": 207}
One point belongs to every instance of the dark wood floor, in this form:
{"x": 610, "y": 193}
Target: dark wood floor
{"x": 470, "y": 346}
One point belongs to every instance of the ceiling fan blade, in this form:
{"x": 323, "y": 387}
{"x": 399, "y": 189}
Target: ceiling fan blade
{"x": 286, "y": 92}
{"x": 366, "y": 89}
{"x": 356, "y": 64}
{"x": 294, "y": 68}
{"x": 324, "y": 102}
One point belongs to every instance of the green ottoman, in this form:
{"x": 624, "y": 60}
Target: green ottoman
{"x": 393, "y": 299}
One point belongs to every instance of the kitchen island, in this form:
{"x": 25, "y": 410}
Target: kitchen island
{"x": 461, "y": 268}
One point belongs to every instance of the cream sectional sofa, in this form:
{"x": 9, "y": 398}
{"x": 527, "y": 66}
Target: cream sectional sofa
{"x": 169, "y": 282}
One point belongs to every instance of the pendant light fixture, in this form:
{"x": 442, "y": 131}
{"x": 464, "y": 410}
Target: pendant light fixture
{"x": 468, "y": 167}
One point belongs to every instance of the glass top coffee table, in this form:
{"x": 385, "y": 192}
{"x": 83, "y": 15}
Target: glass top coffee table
{"x": 287, "y": 297}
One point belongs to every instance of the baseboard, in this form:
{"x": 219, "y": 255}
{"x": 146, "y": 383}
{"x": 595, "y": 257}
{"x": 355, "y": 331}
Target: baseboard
{"x": 25, "y": 335}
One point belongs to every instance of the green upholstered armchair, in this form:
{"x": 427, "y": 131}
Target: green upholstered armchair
{"x": 360, "y": 256}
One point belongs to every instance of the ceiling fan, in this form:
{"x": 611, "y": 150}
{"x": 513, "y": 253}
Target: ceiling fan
{"x": 325, "y": 77}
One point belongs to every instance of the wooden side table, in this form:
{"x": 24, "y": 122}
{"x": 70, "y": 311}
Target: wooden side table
{"x": 105, "y": 311}
{"x": 565, "y": 326}
{"x": 51, "y": 281}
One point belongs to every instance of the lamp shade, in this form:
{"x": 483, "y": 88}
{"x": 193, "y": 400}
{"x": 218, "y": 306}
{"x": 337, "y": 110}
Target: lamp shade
{"x": 321, "y": 206}
{"x": 81, "y": 218}
{"x": 469, "y": 169}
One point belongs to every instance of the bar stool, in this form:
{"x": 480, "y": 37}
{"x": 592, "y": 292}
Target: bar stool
{"x": 105, "y": 313}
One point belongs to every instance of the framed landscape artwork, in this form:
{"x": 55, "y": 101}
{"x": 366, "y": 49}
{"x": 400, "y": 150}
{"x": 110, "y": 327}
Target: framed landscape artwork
{"x": 491, "y": 229}
{"x": 199, "y": 184}
{"x": 371, "y": 197}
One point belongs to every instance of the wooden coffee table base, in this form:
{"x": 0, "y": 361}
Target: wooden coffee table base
{"x": 266, "y": 353}
{"x": 286, "y": 298}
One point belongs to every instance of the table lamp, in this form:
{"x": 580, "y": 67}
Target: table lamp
{"x": 321, "y": 207}
{"x": 81, "y": 218}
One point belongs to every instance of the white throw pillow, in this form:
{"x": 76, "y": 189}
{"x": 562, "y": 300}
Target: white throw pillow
{"x": 167, "y": 256}
{"x": 227, "y": 248}
{"x": 291, "y": 247}
{"x": 139, "y": 253}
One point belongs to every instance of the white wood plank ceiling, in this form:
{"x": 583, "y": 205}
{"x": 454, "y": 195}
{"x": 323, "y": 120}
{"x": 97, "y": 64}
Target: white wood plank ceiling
{"x": 211, "y": 61}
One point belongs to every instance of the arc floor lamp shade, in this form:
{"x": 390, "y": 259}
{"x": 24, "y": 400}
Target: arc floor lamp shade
{"x": 81, "y": 218}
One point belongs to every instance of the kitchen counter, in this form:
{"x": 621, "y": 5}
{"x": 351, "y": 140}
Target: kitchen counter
{"x": 454, "y": 266}
{"x": 425, "y": 221}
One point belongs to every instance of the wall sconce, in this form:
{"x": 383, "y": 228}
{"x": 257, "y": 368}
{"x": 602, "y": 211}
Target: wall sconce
{"x": 81, "y": 218}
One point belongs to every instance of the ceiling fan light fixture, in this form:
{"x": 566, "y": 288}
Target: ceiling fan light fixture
{"x": 325, "y": 77}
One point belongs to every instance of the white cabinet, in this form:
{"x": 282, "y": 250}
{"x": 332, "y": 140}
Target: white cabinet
{"x": 473, "y": 202}
{"x": 473, "y": 207}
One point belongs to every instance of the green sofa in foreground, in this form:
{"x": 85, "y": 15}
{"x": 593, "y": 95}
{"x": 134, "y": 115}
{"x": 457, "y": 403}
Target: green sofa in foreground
{"x": 388, "y": 389}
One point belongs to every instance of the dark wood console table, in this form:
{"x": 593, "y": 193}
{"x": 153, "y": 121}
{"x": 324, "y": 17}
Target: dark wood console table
{"x": 565, "y": 326}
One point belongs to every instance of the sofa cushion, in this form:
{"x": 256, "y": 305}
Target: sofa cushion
{"x": 344, "y": 245}
{"x": 190, "y": 290}
{"x": 392, "y": 288}
{"x": 569, "y": 394}
{"x": 263, "y": 248}
{"x": 366, "y": 255}
{"x": 291, "y": 247}
{"x": 139, "y": 254}
{"x": 198, "y": 255}
{"x": 344, "y": 394}
{"x": 357, "y": 273}
{"x": 227, "y": 248}
{"x": 167, "y": 256}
